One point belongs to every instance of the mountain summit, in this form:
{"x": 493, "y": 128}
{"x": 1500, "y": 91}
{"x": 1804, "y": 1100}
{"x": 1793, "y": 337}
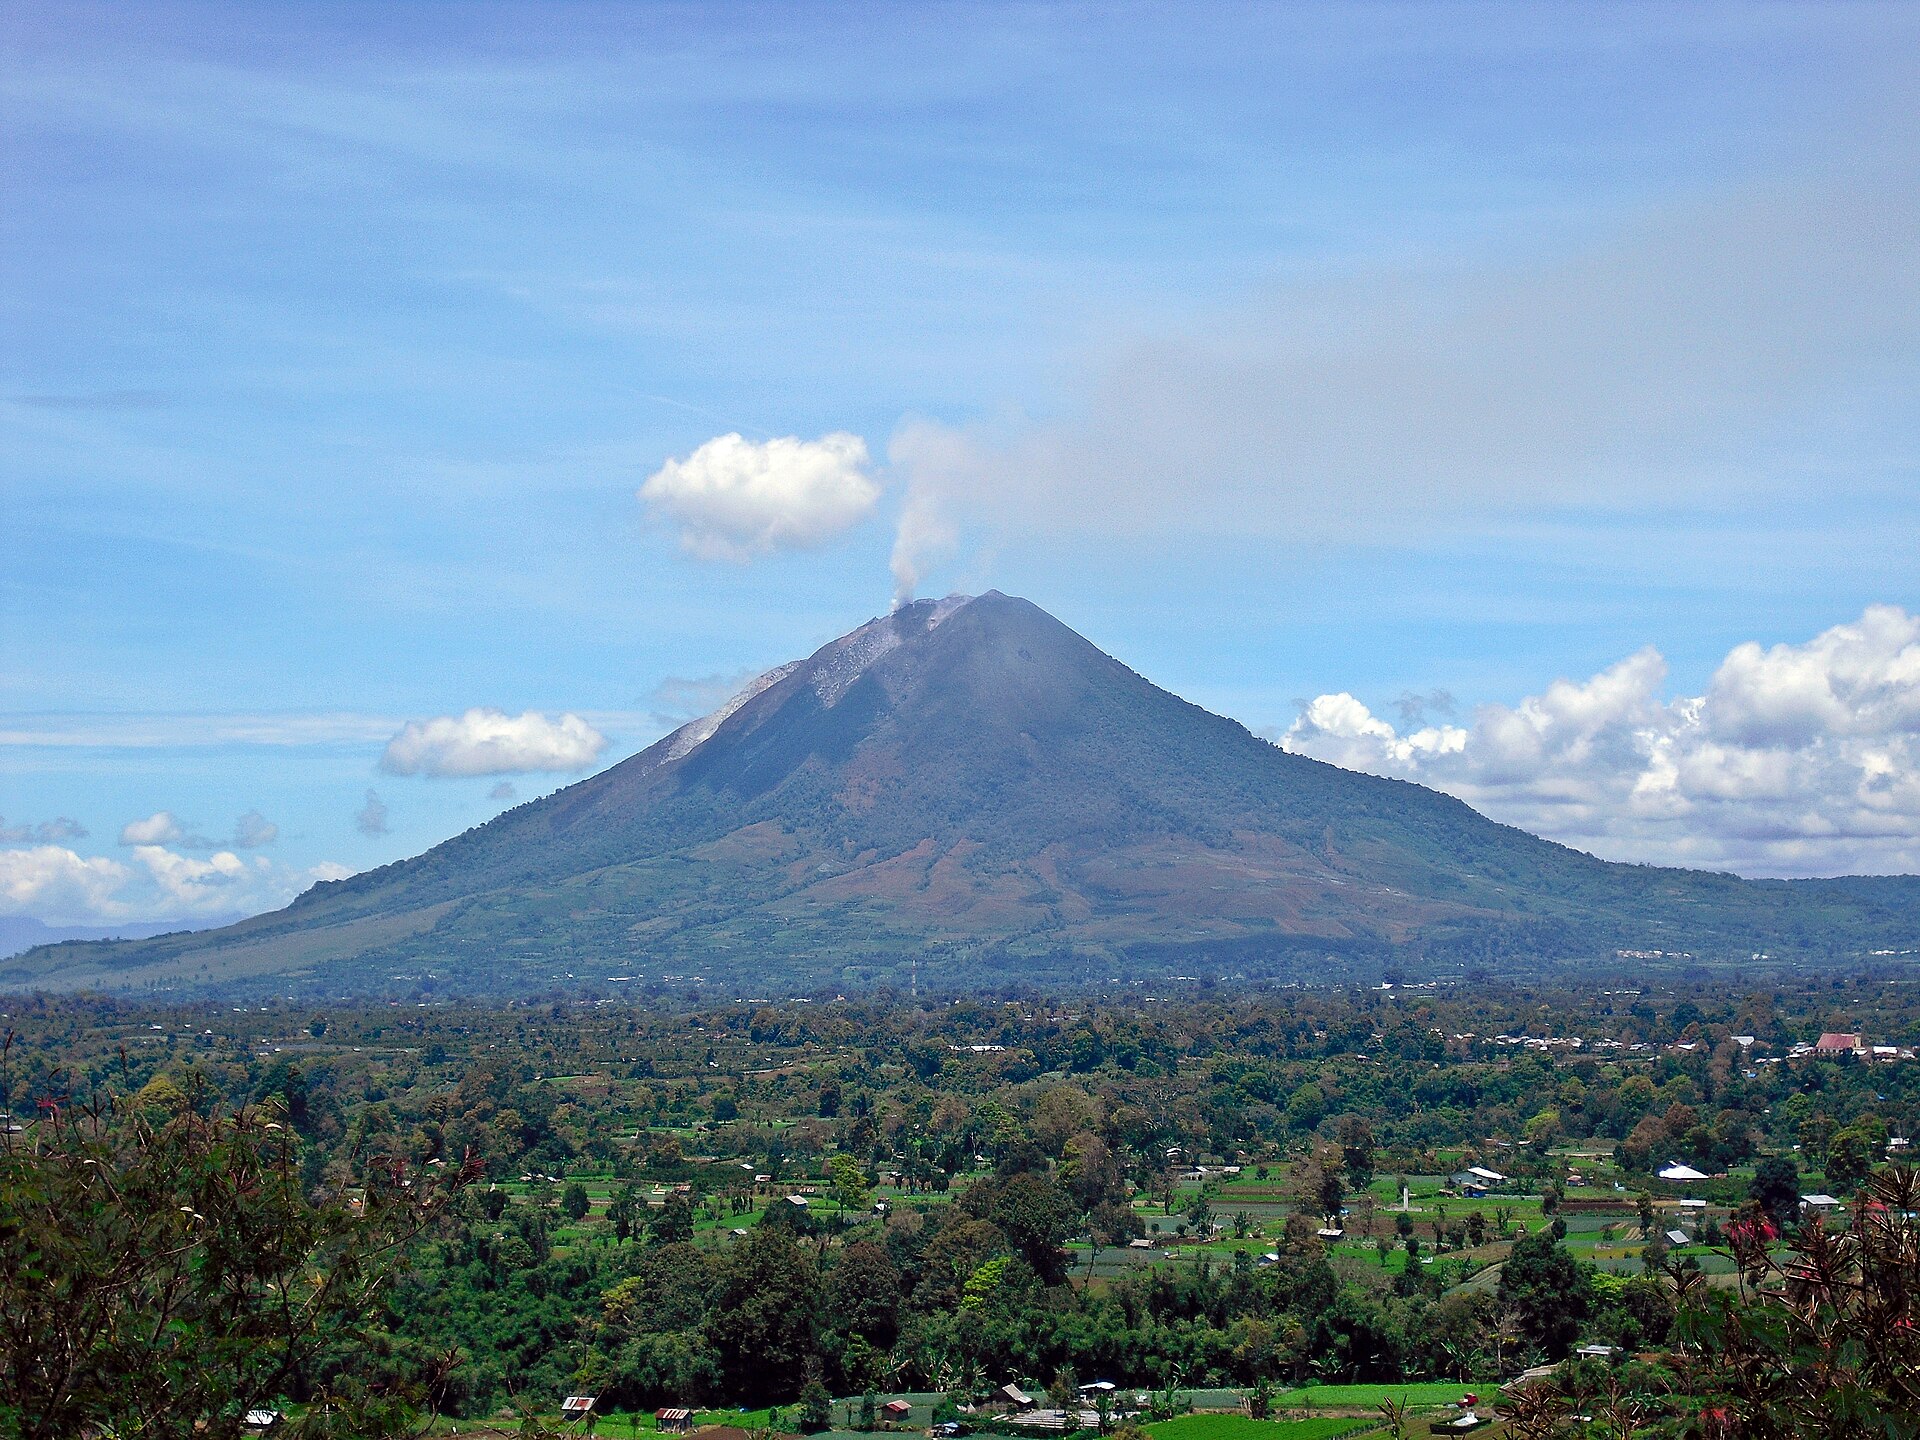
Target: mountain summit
{"x": 967, "y": 792}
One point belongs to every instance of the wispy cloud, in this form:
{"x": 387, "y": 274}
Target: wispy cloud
{"x": 97, "y": 400}
{"x": 681, "y": 698}
{"x": 1685, "y": 359}
{"x": 191, "y": 731}
{"x": 371, "y": 818}
{"x": 250, "y": 831}
{"x": 56, "y": 831}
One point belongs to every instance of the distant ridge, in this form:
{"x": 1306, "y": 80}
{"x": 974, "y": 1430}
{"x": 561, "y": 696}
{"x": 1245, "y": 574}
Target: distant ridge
{"x": 967, "y": 793}
{"x": 20, "y": 933}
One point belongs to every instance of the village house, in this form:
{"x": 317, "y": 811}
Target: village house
{"x": 1475, "y": 1180}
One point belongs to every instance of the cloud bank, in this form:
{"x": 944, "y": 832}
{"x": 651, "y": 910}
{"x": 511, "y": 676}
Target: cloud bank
{"x": 1798, "y": 759}
{"x": 55, "y": 885}
{"x": 52, "y": 883}
{"x": 735, "y": 499}
{"x": 492, "y": 742}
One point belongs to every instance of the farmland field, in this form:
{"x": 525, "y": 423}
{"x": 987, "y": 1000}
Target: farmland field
{"x": 1239, "y": 1427}
{"x": 1423, "y": 1394}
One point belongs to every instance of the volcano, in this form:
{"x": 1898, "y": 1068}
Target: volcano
{"x": 967, "y": 794}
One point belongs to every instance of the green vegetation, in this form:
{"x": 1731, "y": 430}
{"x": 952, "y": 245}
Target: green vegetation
{"x": 1328, "y": 1397}
{"x": 1239, "y": 1427}
{"x": 1265, "y": 1203}
{"x": 160, "y": 1266}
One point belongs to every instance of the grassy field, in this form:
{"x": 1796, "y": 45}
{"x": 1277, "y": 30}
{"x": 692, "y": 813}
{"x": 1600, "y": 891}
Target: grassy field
{"x": 1239, "y": 1427}
{"x": 616, "y": 1424}
{"x": 1349, "y": 1396}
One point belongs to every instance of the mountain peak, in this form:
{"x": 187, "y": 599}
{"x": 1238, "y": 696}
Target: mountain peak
{"x": 967, "y": 791}
{"x": 830, "y": 670}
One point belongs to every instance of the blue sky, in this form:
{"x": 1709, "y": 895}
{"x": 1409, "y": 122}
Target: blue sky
{"x": 1419, "y": 355}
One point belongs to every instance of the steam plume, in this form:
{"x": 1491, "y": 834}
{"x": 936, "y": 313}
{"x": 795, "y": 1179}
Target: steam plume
{"x": 924, "y": 531}
{"x": 928, "y": 455}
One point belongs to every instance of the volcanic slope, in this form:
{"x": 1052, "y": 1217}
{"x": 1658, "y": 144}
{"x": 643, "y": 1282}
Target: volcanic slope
{"x": 967, "y": 793}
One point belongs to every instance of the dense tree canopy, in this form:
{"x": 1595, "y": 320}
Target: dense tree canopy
{"x": 727, "y": 1204}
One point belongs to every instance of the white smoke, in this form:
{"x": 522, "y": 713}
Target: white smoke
{"x": 933, "y": 458}
{"x": 924, "y": 532}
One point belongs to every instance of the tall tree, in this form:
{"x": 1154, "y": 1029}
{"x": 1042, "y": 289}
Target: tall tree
{"x": 1356, "y": 1150}
{"x": 1547, "y": 1292}
{"x": 1035, "y": 1214}
{"x": 674, "y": 1224}
{"x": 162, "y": 1270}
{"x": 1775, "y": 1187}
{"x": 863, "y": 1294}
{"x": 761, "y": 1316}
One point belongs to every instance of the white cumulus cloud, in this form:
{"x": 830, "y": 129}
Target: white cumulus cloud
{"x": 1798, "y": 760}
{"x": 52, "y": 883}
{"x": 57, "y": 886}
{"x": 735, "y": 498}
{"x": 492, "y": 742}
{"x": 162, "y": 827}
{"x": 186, "y": 887}
{"x": 191, "y": 886}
